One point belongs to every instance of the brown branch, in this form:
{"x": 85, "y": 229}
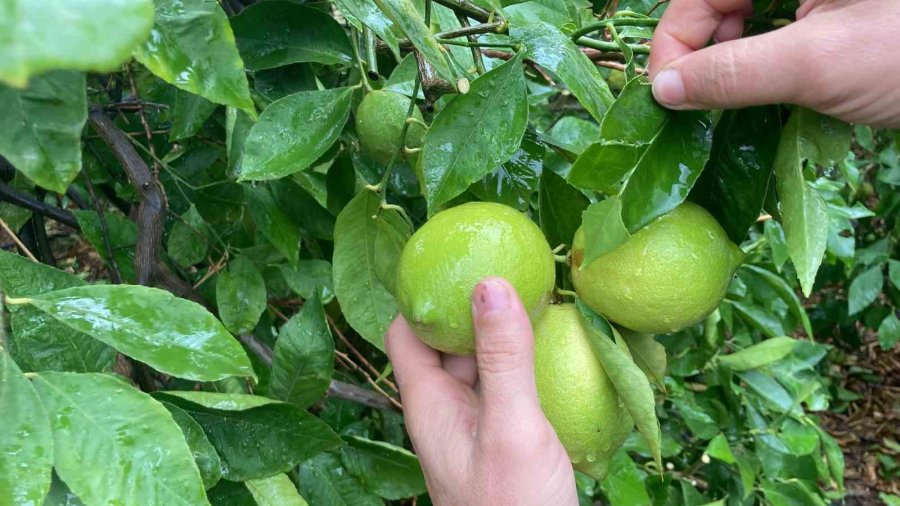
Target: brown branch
{"x": 433, "y": 85}
{"x": 467, "y": 8}
{"x": 152, "y": 208}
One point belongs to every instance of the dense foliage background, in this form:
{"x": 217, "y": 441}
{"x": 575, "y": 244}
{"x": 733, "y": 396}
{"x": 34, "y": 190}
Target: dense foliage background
{"x": 199, "y": 256}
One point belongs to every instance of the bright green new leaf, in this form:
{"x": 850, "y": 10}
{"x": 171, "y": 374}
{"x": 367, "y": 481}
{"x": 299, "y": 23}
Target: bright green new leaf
{"x": 865, "y": 289}
{"x": 324, "y": 481}
{"x": 42, "y": 35}
{"x": 807, "y": 137}
{"x": 240, "y": 295}
{"x": 273, "y": 222}
{"x": 115, "y": 444}
{"x": 718, "y": 448}
{"x": 26, "y": 443}
{"x": 205, "y": 456}
{"x": 475, "y": 133}
{"x": 760, "y": 354}
{"x": 293, "y": 132}
{"x": 365, "y": 300}
{"x": 303, "y": 357}
{"x": 276, "y": 490}
{"x": 407, "y": 17}
{"x": 192, "y": 46}
{"x": 41, "y": 126}
{"x": 603, "y": 229}
{"x": 274, "y": 34}
{"x": 390, "y": 471}
{"x": 172, "y": 335}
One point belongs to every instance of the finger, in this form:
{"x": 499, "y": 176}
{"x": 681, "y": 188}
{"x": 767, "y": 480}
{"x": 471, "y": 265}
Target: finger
{"x": 687, "y": 26}
{"x": 504, "y": 353}
{"x": 737, "y": 73}
{"x": 417, "y": 367}
{"x": 731, "y": 27}
{"x": 463, "y": 369}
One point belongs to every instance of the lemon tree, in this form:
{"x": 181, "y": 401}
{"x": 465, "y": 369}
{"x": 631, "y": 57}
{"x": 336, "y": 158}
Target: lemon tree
{"x": 212, "y": 215}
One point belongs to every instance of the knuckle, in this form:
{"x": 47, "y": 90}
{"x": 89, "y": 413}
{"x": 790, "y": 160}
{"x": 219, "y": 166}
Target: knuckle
{"x": 499, "y": 354}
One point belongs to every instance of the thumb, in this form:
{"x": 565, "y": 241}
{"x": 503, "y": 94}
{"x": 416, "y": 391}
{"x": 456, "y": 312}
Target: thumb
{"x": 504, "y": 352}
{"x": 765, "y": 69}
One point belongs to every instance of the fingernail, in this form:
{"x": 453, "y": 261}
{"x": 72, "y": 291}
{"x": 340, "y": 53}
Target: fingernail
{"x": 490, "y": 296}
{"x": 668, "y": 88}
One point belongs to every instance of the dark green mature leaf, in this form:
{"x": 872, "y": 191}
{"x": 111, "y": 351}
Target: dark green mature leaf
{"x": 122, "y": 239}
{"x": 276, "y": 490}
{"x": 69, "y": 34}
{"x": 26, "y": 443}
{"x": 760, "y": 318}
{"x": 273, "y": 222}
{"x": 205, "y": 455}
{"x": 547, "y": 46}
{"x": 241, "y": 296}
{"x": 256, "y": 437}
{"x": 359, "y": 246}
{"x": 278, "y": 33}
{"x": 115, "y": 444}
{"x": 814, "y": 138}
{"x": 560, "y": 208}
{"x": 760, "y": 354}
{"x": 41, "y": 126}
{"x": 475, "y": 133}
{"x": 189, "y": 113}
{"x": 304, "y": 357}
{"x": 189, "y": 239}
{"x": 605, "y": 216}
{"x": 230, "y": 493}
{"x": 324, "y": 481}
{"x": 733, "y": 185}
{"x": 865, "y": 289}
{"x": 293, "y": 132}
{"x": 632, "y": 385}
{"x": 514, "y": 182}
{"x": 407, "y": 17}
{"x": 192, "y": 46}
{"x": 387, "y": 470}
{"x": 368, "y": 14}
{"x": 172, "y": 335}
{"x": 786, "y": 293}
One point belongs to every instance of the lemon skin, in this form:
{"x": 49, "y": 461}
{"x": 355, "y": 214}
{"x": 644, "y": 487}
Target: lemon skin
{"x": 444, "y": 260}
{"x": 379, "y": 125}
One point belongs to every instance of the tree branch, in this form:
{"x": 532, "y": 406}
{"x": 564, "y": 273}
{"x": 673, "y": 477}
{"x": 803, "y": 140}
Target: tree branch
{"x": 8, "y": 194}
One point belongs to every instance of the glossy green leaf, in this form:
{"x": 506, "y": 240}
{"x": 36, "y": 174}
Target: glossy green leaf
{"x": 514, "y": 182}
{"x": 41, "y": 126}
{"x": 865, "y": 289}
{"x": 26, "y": 443}
{"x": 387, "y": 470}
{"x": 293, "y": 132}
{"x": 718, "y": 448}
{"x": 574, "y": 134}
{"x": 630, "y": 382}
{"x": 276, "y": 490}
{"x": 560, "y": 208}
{"x": 324, "y": 481}
{"x": 786, "y": 293}
{"x": 409, "y": 20}
{"x": 189, "y": 114}
{"x": 115, "y": 444}
{"x": 547, "y": 46}
{"x": 273, "y": 222}
{"x": 368, "y": 14}
{"x": 69, "y": 34}
{"x": 760, "y": 354}
{"x": 310, "y": 277}
{"x": 733, "y": 185}
{"x": 648, "y": 354}
{"x": 256, "y": 437}
{"x": 304, "y": 208}
{"x": 60, "y": 495}
{"x": 192, "y": 46}
{"x": 774, "y": 234}
{"x": 475, "y": 133}
{"x": 205, "y": 455}
{"x": 278, "y": 33}
{"x": 304, "y": 357}
{"x": 230, "y": 493}
{"x": 808, "y": 136}
{"x": 889, "y": 331}
{"x": 365, "y": 300}
{"x": 172, "y": 335}
{"x": 189, "y": 239}
{"x": 240, "y": 296}
{"x": 603, "y": 229}
{"x": 122, "y": 239}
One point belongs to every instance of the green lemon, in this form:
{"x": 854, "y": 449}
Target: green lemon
{"x": 669, "y": 275}
{"x": 379, "y": 125}
{"x": 575, "y": 394}
{"x": 452, "y": 252}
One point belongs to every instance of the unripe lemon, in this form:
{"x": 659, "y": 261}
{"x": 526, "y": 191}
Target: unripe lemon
{"x": 379, "y": 125}
{"x": 669, "y": 275}
{"x": 575, "y": 394}
{"x": 444, "y": 260}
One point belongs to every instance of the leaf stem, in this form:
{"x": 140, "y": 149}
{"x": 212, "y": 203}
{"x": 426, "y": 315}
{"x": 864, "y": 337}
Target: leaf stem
{"x": 621, "y": 21}
{"x": 17, "y": 301}
{"x": 363, "y": 75}
{"x": 561, "y": 259}
{"x": 568, "y": 293}
{"x": 611, "y": 46}
{"x": 371, "y": 53}
{"x": 466, "y": 43}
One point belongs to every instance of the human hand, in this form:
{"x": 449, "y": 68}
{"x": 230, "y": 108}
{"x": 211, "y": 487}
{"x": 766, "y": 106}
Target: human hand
{"x": 475, "y": 422}
{"x": 840, "y": 58}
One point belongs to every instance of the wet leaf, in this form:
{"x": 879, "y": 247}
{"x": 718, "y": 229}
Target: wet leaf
{"x": 114, "y": 443}
{"x": 368, "y": 14}
{"x": 276, "y": 490}
{"x": 172, "y": 335}
{"x": 475, "y": 133}
{"x": 603, "y": 229}
{"x": 760, "y": 354}
{"x": 189, "y": 114}
{"x": 189, "y": 239}
{"x": 648, "y": 354}
{"x": 324, "y": 481}
{"x": 240, "y": 295}
{"x": 390, "y": 471}
{"x": 514, "y": 182}
{"x": 560, "y": 207}
{"x": 205, "y": 456}
{"x": 274, "y": 34}
{"x": 273, "y": 222}
{"x": 406, "y": 17}
{"x": 310, "y": 277}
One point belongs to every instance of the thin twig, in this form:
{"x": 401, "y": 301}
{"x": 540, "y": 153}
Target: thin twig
{"x": 8, "y": 194}
{"x": 350, "y": 364}
{"x": 114, "y": 272}
{"x": 476, "y": 51}
{"x": 18, "y": 242}
{"x": 357, "y": 354}
{"x": 146, "y": 125}
{"x": 469, "y": 9}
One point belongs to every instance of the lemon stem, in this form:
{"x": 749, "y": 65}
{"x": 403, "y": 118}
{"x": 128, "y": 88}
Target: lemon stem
{"x": 13, "y": 301}
{"x": 559, "y": 248}
{"x": 561, "y": 259}
{"x": 363, "y": 76}
{"x": 566, "y": 293}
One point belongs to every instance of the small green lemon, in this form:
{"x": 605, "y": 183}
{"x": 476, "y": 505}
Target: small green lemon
{"x": 575, "y": 394}
{"x": 379, "y": 125}
{"x": 452, "y": 252}
{"x": 669, "y": 275}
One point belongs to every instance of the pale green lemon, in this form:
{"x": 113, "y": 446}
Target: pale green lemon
{"x": 452, "y": 252}
{"x": 669, "y": 275}
{"x": 379, "y": 125}
{"x": 575, "y": 393}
